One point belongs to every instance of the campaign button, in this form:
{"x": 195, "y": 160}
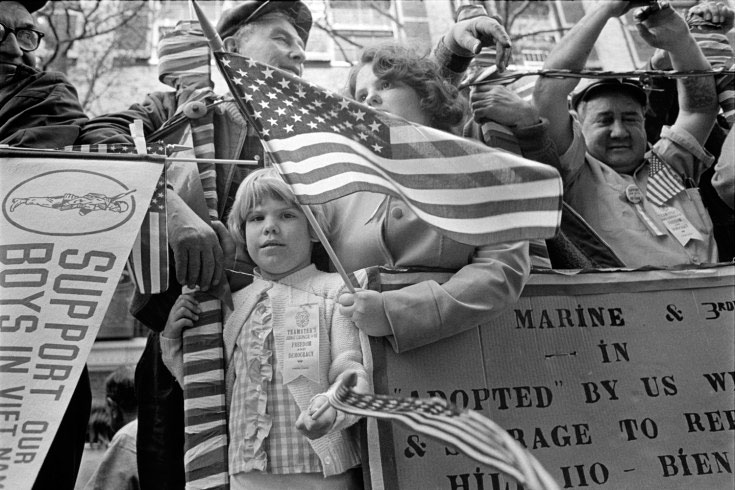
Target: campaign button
{"x": 633, "y": 194}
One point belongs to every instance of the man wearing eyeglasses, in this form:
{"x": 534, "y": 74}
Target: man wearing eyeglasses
{"x": 41, "y": 110}
{"x": 37, "y": 109}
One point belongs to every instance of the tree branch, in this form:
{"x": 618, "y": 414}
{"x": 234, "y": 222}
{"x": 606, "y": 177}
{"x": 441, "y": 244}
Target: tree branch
{"x": 375, "y": 6}
{"x": 516, "y": 13}
{"x": 335, "y": 34}
{"x": 542, "y": 31}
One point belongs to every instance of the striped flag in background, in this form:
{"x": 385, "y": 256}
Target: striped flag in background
{"x": 183, "y": 56}
{"x": 148, "y": 260}
{"x": 468, "y": 431}
{"x": 205, "y": 410}
{"x": 663, "y": 182}
{"x": 184, "y": 63}
{"x": 327, "y": 146}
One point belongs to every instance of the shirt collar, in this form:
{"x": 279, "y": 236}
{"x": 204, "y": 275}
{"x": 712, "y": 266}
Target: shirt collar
{"x": 293, "y": 278}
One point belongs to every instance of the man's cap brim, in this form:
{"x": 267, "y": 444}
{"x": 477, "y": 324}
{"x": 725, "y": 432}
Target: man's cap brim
{"x": 628, "y": 86}
{"x": 33, "y": 5}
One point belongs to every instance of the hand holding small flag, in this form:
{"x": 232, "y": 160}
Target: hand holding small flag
{"x": 468, "y": 431}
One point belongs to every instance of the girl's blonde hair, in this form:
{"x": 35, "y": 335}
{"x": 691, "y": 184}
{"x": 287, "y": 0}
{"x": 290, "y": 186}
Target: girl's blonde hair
{"x": 258, "y": 185}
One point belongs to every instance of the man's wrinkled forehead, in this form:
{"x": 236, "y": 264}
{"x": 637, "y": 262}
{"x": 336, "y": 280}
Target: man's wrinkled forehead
{"x": 271, "y": 22}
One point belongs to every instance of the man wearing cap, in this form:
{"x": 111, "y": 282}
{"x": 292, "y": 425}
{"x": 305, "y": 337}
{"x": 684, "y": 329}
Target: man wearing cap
{"x": 643, "y": 203}
{"x": 272, "y": 32}
{"x": 41, "y": 110}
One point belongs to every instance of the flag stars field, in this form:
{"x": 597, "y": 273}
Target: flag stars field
{"x": 296, "y": 111}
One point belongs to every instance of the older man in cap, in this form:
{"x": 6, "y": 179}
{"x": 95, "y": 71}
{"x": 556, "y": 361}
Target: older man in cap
{"x": 41, "y": 110}
{"x": 643, "y": 203}
{"x": 273, "y": 32}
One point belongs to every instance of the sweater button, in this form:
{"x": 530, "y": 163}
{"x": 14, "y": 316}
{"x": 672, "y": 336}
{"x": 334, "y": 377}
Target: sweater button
{"x": 397, "y": 213}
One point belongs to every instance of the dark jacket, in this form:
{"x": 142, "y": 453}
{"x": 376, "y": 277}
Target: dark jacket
{"x": 39, "y": 110}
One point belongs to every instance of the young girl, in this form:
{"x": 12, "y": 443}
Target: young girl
{"x": 285, "y": 343}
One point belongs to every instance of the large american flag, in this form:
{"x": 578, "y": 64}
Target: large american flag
{"x": 468, "y": 431}
{"x": 327, "y": 146}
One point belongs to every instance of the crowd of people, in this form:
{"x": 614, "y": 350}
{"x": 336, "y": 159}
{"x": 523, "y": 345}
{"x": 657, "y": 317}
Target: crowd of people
{"x": 645, "y": 185}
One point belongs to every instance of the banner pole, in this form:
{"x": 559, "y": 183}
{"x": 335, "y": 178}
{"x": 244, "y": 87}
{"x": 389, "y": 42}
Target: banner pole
{"x": 212, "y": 160}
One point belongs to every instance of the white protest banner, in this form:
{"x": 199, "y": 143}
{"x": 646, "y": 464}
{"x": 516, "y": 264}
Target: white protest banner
{"x": 68, "y": 224}
{"x": 612, "y": 380}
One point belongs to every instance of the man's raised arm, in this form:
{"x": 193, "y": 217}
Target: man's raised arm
{"x": 571, "y": 53}
{"x": 668, "y": 31}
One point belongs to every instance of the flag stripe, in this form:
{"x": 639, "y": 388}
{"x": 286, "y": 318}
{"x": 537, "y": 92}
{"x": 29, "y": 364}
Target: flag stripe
{"x": 196, "y": 367}
{"x": 206, "y": 465}
{"x": 484, "y": 196}
{"x": 153, "y": 256}
{"x": 290, "y": 150}
{"x": 204, "y": 416}
{"x": 311, "y": 170}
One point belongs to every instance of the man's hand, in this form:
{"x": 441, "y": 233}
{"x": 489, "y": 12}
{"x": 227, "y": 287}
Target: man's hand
{"x": 501, "y": 105}
{"x": 198, "y": 255}
{"x": 467, "y": 37}
{"x": 716, "y": 13}
{"x": 314, "y": 428}
{"x": 365, "y": 309}
{"x": 229, "y": 248}
{"x": 664, "y": 29}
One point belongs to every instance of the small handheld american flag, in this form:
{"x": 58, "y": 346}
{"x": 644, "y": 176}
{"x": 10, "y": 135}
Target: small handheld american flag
{"x": 148, "y": 261}
{"x": 468, "y": 431}
{"x": 663, "y": 182}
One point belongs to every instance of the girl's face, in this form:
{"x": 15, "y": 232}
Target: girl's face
{"x": 277, "y": 238}
{"x": 394, "y": 97}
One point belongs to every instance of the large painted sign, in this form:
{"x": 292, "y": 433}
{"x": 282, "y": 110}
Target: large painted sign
{"x": 611, "y": 380}
{"x": 67, "y": 227}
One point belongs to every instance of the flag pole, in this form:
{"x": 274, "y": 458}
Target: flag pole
{"x": 327, "y": 247}
{"x": 215, "y": 42}
{"x": 217, "y": 46}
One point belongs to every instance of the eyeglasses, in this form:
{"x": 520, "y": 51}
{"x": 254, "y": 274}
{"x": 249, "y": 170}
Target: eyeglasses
{"x": 28, "y": 39}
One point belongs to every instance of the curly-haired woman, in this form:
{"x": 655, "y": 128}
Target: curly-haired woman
{"x": 373, "y": 229}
